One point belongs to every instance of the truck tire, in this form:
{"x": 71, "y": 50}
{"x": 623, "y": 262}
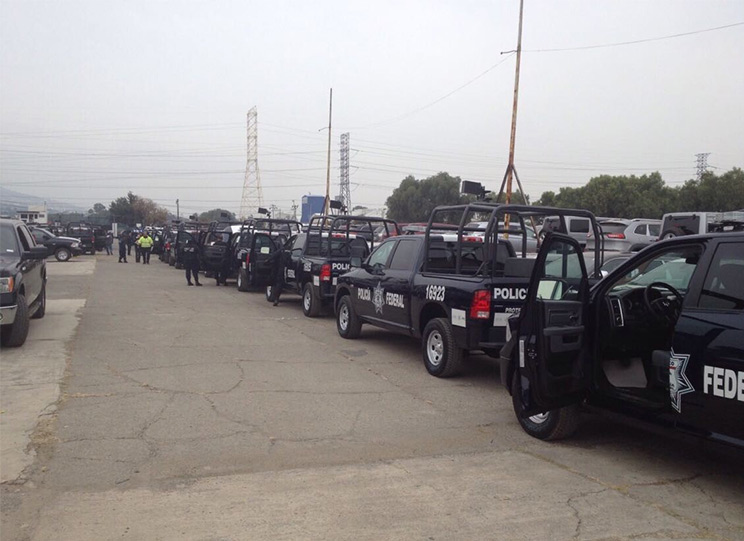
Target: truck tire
{"x": 171, "y": 260}
{"x": 347, "y": 322}
{"x": 555, "y": 424}
{"x": 41, "y": 310}
{"x": 62, "y": 254}
{"x": 668, "y": 234}
{"x": 442, "y": 357}
{"x": 14, "y": 335}
{"x": 242, "y": 280}
{"x": 310, "y": 301}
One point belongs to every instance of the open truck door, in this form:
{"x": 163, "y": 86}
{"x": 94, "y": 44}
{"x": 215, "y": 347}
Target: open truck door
{"x": 262, "y": 249}
{"x": 552, "y": 370}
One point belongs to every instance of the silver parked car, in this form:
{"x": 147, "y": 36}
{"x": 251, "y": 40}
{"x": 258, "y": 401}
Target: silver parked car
{"x": 627, "y": 235}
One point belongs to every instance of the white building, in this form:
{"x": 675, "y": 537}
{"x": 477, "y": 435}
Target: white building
{"x": 34, "y": 214}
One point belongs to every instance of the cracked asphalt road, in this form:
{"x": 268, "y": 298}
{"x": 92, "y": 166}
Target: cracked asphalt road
{"x": 206, "y": 413}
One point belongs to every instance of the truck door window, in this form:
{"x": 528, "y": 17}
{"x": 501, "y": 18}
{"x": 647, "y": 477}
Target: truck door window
{"x": 724, "y": 283}
{"x": 404, "y": 257}
{"x": 562, "y": 273}
{"x": 381, "y": 255}
{"x": 578, "y": 225}
{"x": 640, "y": 229}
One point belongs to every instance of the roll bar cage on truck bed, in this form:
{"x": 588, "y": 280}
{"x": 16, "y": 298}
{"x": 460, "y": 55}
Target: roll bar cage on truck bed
{"x": 496, "y": 233}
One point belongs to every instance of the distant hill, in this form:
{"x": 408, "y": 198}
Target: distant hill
{"x": 12, "y": 201}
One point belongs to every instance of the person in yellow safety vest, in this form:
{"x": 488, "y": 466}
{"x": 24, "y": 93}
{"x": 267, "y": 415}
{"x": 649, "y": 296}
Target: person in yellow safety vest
{"x": 145, "y": 243}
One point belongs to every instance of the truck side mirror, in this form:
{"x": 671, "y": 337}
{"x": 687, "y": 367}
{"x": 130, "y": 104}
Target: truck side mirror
{"x": 36, "y": 252}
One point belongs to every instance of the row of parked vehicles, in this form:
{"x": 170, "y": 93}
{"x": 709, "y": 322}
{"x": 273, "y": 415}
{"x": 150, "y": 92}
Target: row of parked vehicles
{"x": 660, "y": 338}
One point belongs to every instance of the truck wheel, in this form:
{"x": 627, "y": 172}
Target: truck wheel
{"x": 555, "y": 424}
{"x": 171, "y": 261}
{"x": 442, "y": 357}
{"x": 269, "y": 298}
{"x": 310, "y": 301}
{"x": 669, "y": 234}
{"x": 14, "y": 335}
{"x": 62, "y": 254}
{"x": 41, "y": 310}
{"x": 242, "y": 280}
{"x": 179, "y": 265}
{"x": 347, "y": 322}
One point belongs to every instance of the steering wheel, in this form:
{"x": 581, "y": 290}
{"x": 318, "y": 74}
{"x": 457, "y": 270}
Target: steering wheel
{"x": 661, "y": 308}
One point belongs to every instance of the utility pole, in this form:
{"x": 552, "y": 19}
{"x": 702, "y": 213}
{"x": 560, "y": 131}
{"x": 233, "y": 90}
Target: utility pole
{"x": 294, "y": 210}
{"x": 178, "y": 211}
{"x": 702, "y": 164}
{"x": 327, "y": 203}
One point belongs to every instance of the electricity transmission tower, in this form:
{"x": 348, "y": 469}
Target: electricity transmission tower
{"x": 702, "y": 164}
{"x": 252, "y": 194}
{"x": 345, "y": 190}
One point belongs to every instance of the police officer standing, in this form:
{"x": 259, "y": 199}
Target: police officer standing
{"x": 191, "y": 262}
{"x": 123, "y": 242}
{"x": 145, "y": 243}
{"x": 277, "y": 272}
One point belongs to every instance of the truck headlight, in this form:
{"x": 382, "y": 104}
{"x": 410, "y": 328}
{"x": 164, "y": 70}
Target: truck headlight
{"x": 6, "y": 285}
{"x": 75, "y": 245}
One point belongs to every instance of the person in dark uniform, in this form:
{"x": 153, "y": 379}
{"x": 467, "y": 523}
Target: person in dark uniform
{"x": 191, "y": 262}
{"x": 123, "y": 243}
{"x": 220, "y": 275}
{"x": 277, "y": 271}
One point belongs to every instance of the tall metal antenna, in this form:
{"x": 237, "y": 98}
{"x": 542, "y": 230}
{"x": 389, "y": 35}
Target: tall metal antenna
{"x": 327, "y": 203}
{"x": 252, "y": 193}
{"x": 345, "y": 188}
{"x": 702, "y": 164}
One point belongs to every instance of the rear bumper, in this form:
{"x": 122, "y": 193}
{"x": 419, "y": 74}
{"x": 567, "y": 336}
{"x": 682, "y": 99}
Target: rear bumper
{"x": 8, "y": 314}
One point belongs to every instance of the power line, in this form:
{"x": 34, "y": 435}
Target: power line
{"x": 633, "y": 42}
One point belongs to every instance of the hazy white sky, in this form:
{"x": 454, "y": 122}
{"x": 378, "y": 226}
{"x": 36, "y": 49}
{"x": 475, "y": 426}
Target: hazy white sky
{"x": 100, "y": 97}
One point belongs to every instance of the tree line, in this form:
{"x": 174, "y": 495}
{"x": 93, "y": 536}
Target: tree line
{"x": 623, "y": 196}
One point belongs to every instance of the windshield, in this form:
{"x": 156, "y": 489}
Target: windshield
{"x": 8, "y": 244}
{"x": 674, "y": 268}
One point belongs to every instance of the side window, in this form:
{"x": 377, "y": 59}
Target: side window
{"x": 724, "y": 284}
{"x": 25, "y": 238}
{"x": 640, "y": 229}
{"x": 562, "y": 273}
{"x": 381, "y": 254}
{"x": 654, "y": 230}
{"x": 263, "y": 244}
{"x": 404, "y": 257}
{"x": 38, "y": 235}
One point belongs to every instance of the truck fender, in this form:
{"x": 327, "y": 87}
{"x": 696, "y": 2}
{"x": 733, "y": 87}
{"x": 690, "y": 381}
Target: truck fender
{"x": 428, "y": 312}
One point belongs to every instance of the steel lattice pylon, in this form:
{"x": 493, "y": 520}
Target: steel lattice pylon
{"x": 345, "y": 189}
{"x": 252, "y": 194}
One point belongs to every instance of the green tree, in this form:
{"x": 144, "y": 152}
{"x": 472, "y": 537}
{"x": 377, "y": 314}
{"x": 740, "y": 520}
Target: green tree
{"x": 217, "y": 215}
{"x": 134, "y": 209}
{"x": 414, "y": 200}
{"x": 648, "y": 196}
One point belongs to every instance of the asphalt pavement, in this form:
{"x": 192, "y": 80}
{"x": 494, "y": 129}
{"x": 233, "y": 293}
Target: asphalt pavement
{"x": 142, "y": 409}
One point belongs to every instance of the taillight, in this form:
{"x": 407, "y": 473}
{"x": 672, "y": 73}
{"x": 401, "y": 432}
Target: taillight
{"x": 325, "y": 273}
{"x": 615, "y": 235}
{"x": 480, "y": 307}
{"x": 472, "y": 239}
{"x": 247, "y": 258}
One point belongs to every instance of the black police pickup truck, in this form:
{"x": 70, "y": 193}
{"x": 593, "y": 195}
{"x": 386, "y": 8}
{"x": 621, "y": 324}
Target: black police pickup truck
{"x": 22, "y": 281}
{"x": 454, "y": 287}
{"x": 315, "y": 259}
{"x": 184, "y": 231}
{"x": 215, "y": 249}
{"x": 660, "y": 339}
{"x": 252, "y": 248}
{"x": 84, "y": 233}
{"x": 63, "y": 248}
